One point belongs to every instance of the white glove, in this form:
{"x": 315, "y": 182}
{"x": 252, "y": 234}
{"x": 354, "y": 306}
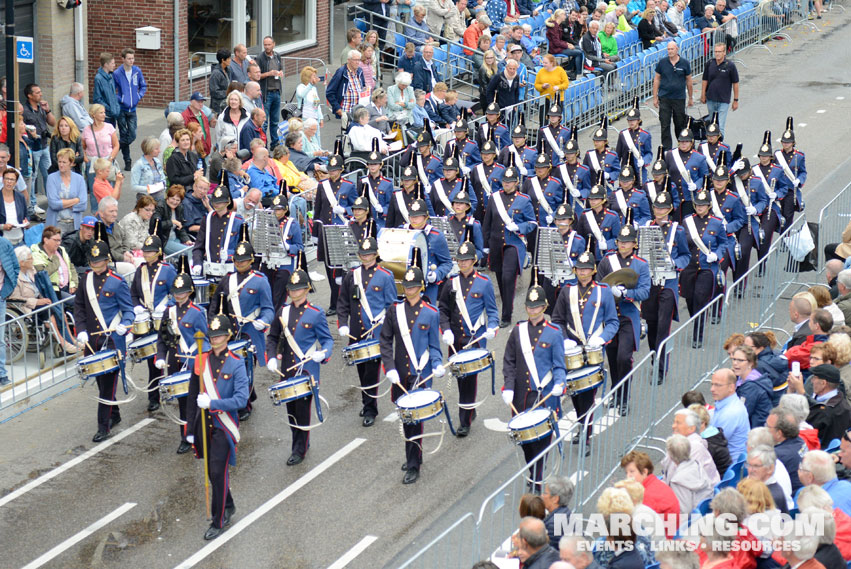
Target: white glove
{"x": 750, "y": 210}
{"x": 549, "y": 220}
{"x": 692, "y": 187}
{"x": 159, "y": 364}
{"x": 439, "y": 371}
{"x": 797, "y": 182}
{"x": 196, "y": 270}
{"x": 393, "y": 376}
{"x": 486, "y": 251}
{"x": 557, "y": 390}
{"x": 465, "y": 170}
{"x": 560, "y": 155}
{"x": 513, "y": 227}
{"x": 314, "y": 240}
{"x": 603, "y": 245}
{"x": 640, "y": 162}
{"x": 139, "y": 310}
{"x": 272, "y": 365}
{"x": 339, "y": 281}
{"x": 711, "y": 257}
{"x": 343, "y": 331}
{"x": 490, "y": 334}
{"x": 448, "y": 337}
{"x": 606, "y": 176}
{"x": 379, "y": 209}
{"x": 569, "y": 344}
{"x": 737, "y": 165}
{"x": 432, "y": 276}
{"x": 318, "y": 356}
{"x": 259, "y": 325}
{"x": 203, "y": 401}
{"x": 724, "y": 223}
{"x": 523, "y": 170}
{"x": 121, "y": 329}
{"x": 507, "y": 396}
{"x": 190, "y": 439}
{"x": 286, "y": 247}
{"x": 618, "y": 291}
{"x": 596, "y": 341}
{"x": 339, "y": 210}
{"x": 575, "y": 192}
{"x": 83, "y": 337}
{"x": 772, "y": 196}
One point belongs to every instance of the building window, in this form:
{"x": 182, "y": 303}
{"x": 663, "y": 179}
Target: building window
{"x": 293, "y": 22}
{"x": 210, "y": 25}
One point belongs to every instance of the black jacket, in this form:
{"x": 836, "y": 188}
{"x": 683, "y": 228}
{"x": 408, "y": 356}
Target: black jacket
{"x": 77, "y": 251}
{"x": 790, "y": 452}
{"x": 163, "y": 214}
{"x": 57, "y": 144}
{"x": 180, "y": 169}
{"x": 717, "y": 446}
{"x": 218, "y": 88}
{"x": 542, "y": 559}
{"x": 831, "y": 418}
{"x": 828, "y": 555}
{"x": 505, "y": 95}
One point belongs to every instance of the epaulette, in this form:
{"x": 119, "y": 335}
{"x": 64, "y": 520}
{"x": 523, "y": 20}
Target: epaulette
{"x": 639, "y": 258}
{"x": 428, "y": 305}
{"x": 382, "y": 269}
{"x": 310, "y": 306}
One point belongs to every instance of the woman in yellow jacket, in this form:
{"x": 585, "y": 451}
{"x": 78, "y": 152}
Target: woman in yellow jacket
{"x": 552, "y": 78}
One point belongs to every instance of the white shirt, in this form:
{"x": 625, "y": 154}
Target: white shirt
{"x": 362, "y": 135}
{"x": 15, "y": 234}
{"x": 781, "y": 476}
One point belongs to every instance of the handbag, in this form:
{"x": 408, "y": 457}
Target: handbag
{"x": 291, "y": 110}
{"x": 113, "y": 171}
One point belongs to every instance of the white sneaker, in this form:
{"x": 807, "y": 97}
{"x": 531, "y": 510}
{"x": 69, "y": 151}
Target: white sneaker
{"x": 38, "y": 210}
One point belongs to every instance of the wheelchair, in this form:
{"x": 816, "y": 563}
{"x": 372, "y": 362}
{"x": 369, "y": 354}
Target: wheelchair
{"x": 32, "y": 333}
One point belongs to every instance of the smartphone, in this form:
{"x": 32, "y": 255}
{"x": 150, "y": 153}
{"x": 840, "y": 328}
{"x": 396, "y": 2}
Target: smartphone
{"x": 796, "y": 368}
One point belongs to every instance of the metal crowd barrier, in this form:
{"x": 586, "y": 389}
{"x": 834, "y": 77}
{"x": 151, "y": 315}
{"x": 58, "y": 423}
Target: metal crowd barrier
{"x": 457, "y": 547}
{"x": 832, "y": 220}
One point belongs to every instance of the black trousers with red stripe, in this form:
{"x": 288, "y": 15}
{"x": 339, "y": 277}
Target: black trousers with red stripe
{"x": 218, "y": 456}
{"x": 369, "y": 374}
{"x": 620, "y": 351}
{"x": 298, "y": 413}
{"x": 658, "y": 311}
{"x": 506, "y": 266}
{"x": 468, "y": 387}
{"x": 413, "y": 449}
{"x": 107, "y": 385}
{"x": 154, "y": 375}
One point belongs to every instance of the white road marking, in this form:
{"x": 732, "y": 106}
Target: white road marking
{"x": 353, "y": 552}
{"x": 391, "y": 417}
{"x": 74, "y": 462}
{"x": 242, "y": 524}
{"x": 576, "y": 477}
{"x": 802, "y": 124}
{"x": 76, "y": 538}
{"x": 496, "y": 425}
{"x": 821, "y": 111}
{"x": 840, "y": 98}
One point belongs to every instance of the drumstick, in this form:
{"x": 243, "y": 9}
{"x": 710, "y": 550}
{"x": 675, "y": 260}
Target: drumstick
{"x": 513, "y": 408}
{"x": 353, "y": 338}
{"x": 539, "y": 403}
{"x": 298, "y": 364}
{"x": 374, "y": 326}
{"x": 473, "y": 341}
{"x": 107, "y": 331}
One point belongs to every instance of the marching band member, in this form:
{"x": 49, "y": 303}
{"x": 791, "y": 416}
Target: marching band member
{"x": 627, "y": 340}
{"x": 303, "y": 326}
{"x": 523, "y": 157}
{"x": 793, "y": 164}
{"x": 486, "y": 178}
{"x": 360, "y": 222}
{"x": 546, "y": 193}
{"x": 712, "y": 148}
{"x": 659, "y": 181}
{"x": 585, "y": 312}
{"x": 627, "y": 197}
{"x": 461, "y": 222}
{"x": 293, "y": 245}
{"x": 467, "y": 311}
{"x": 533, "y": 368}
{"x": 573, "y": 243}
{"x": 492, "y": 129}
{"x": 727, "y": 207}
{"x": 439, "y": 261}
{"x": 687, "y": 168}
{"x": 659, "y": 309}
{"x": 249, "y": 299}
{"x": 754, "y": 199}
{"x": 598, "y": 220}
{"x": 225, "y": 391}
{"x": 410, "y": 352}
{"x": 553, "y": 136}
{"x": 444, "y": 189}
{"x": 149, "y": 294}
{"x": 334, "y": 199}
{"x": 600, "y": 158}
{"x": 217, "y": 236}
{"x": 365, "y": 295}
{"x": 508, "y": 220}
{"x": 635, "y": 143}
{"x": 575, "y": 177}
{"x": 776, "y": 186}
{"x": 400, "y": 203}
{"x": 707, "y": 241}
{"x": 377, "y": 188}
{"x": 428, "y": 166}
{"x": 103, "y": 314}
{"x": 176, "y": 346}
{"x": 463, "y": 147}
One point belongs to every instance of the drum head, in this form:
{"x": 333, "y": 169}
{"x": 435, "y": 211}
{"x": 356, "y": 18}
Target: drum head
{"x": 176, "y": 378}
{"x": 152, "y": 339}
{"x": 144, "y": 317}
{"x": 528, "y": 419}
{"x": 468, "y": 355}
{"x": 416, "y": 399}
{"x": 102, "y": 355}
{"x": 200, "y": 282}
{"x": 573, "y": 351}
{"x": 361, "y": 344}
{"x": 580, "y": 373}
{"x": 237, "y": 345}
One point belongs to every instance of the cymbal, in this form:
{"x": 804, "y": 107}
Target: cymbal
{"x": 624, "y": 277}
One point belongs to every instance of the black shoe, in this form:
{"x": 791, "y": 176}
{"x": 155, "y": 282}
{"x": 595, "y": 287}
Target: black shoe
{"x": 463, "y": 431}
{"x": 213, "y": 533}
{"x": 127, "y": 165}
{"x": 576, "y": 439}
{"x": 504, "y": 324}
{"x": 368, "y": 421}
{"x": 294, "y": 459}
{"x": 404, "y": 467}
{"x": 612, "y": 403}
{"x": 588, "y": 448}
{"x": 331, "y": 312}
{"x": 411, "y": 476}
{"x": 184, "y": 447}
{"x": 623, "y": 410}
{"x": 716, "y": 319}
{"x": 697, "y": 344}
{"x": 114, "y": 421}
{"x": 244, "y": 415}
{"x": 153, "y": 406}
{"x": 661, "y": 378}
{"x": 101, "y": 435}
{"x": 229, "y": 511}
{"x": 5, "y": 381}
{"x": 360, "y": 413}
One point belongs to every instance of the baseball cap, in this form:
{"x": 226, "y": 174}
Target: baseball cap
{"x": 89, "y": 221}
{"x": 197, "y": 96}
{"x": 515, "y": 47}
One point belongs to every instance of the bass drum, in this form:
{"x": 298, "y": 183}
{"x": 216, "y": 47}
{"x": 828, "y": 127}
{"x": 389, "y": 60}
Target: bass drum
{"x": 396, "y": 249}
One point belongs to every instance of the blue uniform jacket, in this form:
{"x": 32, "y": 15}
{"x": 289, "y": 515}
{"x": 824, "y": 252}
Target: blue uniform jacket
{"x": 501, "y": 135}
{"x": 608, "y": 162}
{"x": 520, "y": 212}
{"x": 626, "y": 305}
{"x": 194, "y": 320}
{"x": 715, "y": 239}
{"x": 425, "y": 336}
{"x": 644, "y": 145}
{"x": 610, "y": 225}
{"x": 199, "y": 250}
{"x": 439, "y": 259}
{"x": 450, "y": 189}
{"x": 637, "y": 202}
{"x": 529, "y": 156}
{"x": 734, "y": 214}
{"x": 312, "y": 327}
{"x": 581, "y": 180}
{"x": 553, "y": 193}
{"x": 651, "y": 189}
{"x": 380, "y": 294}
{"x": 162, "y": 287}
{"x": 481, "y": 298}
{"x": 470, "y": 152}
{"x": 798, "y": 165}
{"x": 561, "y": 135}
{"x": 254, "y": 296}
{"x": 232, "y": 387}
{"x": 680, "y": 255}
{"x": 607, "y": 315}
{"x": 697, "y": 169}
{"x": 114, "y": 298}
{"x": 345, "y": 196}
{"x": 704, "y": 149}
{"x": 382, "y": 189}
{"x": 548, "y": 354}
{"x": 293, "y": 239}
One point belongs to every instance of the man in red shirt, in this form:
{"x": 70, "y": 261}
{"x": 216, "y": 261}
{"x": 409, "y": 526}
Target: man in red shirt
{"x": 195, "y": 113}
{"x": 658, "y": 496}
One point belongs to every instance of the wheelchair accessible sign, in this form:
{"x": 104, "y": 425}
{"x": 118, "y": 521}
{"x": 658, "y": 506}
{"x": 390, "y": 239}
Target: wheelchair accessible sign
{"x": 24, "y": 49}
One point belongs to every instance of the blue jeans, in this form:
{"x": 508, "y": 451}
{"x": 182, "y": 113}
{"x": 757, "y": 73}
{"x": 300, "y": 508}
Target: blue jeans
{"x": 577, "y": 57}
{"x": 41, "y": 162}
{"x": 173, "y": 245}
{"x": 272, "y": 103}
{"x": 721, "y": 108}
{"x": 126, "y": 132}
{"x": 4, "y": 374}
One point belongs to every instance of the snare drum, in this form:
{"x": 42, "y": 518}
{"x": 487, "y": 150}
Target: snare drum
{"x": 202, "y": 291}
{"x": 594, "y": 355}
{"x": 142, "y": 325}
{"x": 396, "y": 247}
{"x": 361, "y": 352}
{"x": 100, "y": 363}
{"x": 175, "y": 386}
{"x": 573, "y": 358}
{"x": 290, "y": 389}
{"x": 239, "y": 347}
{"x": 469, "y": 362}
{"x": 419, "y": 406}
{"x": 143, "y": 348}
{"x": 530, "y": 426}
{"x": 584, "y": 379}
